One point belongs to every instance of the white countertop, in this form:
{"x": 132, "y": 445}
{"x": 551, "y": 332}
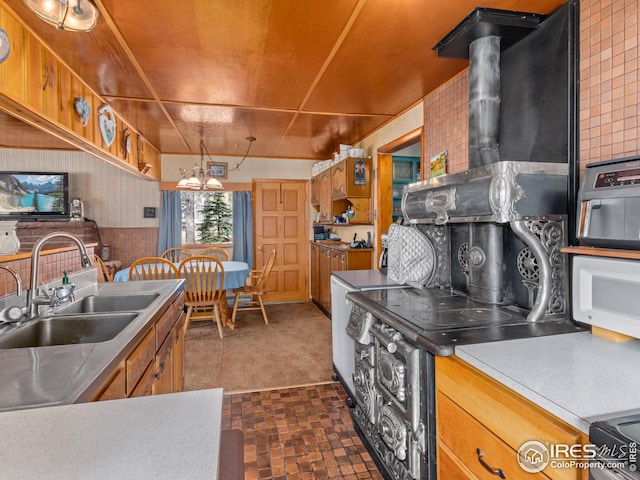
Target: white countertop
{"x": 366, "y": 279}
{"x": 577, "y": 377}
{"x": 168, "y": 436}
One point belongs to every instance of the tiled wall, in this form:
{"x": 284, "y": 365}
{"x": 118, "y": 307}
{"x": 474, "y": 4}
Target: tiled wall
{"x": 446, "y": 120}
{"x": 609, "y": 91}
{"x": 50, "y": 269}
{"x": 129, "y": 244}
{"x": 609, "y": 35}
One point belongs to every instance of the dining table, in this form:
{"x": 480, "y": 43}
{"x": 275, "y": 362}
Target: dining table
{"x": 235, "y": 274}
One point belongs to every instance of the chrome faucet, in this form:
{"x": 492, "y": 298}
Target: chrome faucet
{"x": 16, "y": 277}
{"x": 33, "y": 300}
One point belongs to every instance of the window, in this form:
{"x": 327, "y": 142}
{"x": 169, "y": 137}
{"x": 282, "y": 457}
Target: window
{"x": 207, "y": 217}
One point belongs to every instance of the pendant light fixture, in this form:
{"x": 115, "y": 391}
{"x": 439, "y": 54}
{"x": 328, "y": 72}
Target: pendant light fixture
{"x": 199, "y": 179}
{"x": 250, "y": 140}
{"x": 73, "y": 15}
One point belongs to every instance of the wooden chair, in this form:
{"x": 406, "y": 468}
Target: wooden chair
{"x": 255, "y": 285}
{"x": 177, "y": 254}
{"x": 216, "y": 252}
{"x": 104, "y": 274}
{"x": 153, "y": 268}
{"x": 204, "y": 292}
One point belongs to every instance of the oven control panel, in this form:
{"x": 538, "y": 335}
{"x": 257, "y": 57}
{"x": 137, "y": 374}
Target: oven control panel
{"x": 618, "y": 178}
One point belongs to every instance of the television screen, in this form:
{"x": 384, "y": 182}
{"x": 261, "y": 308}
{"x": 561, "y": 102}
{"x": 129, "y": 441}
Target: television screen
{"x": 34, "y": 195}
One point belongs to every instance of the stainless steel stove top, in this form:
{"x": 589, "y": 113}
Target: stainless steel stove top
{"x": 440, "y": 319}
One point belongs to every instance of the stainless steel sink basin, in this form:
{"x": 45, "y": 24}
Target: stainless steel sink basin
{"x": 66, "y": 330}
{"x": 109, "y": 303}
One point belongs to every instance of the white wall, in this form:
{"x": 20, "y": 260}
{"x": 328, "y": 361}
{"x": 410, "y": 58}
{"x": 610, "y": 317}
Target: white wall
{"x": 111, "y": 197}
{"x": 251, "y": 168}
{"x": 405, "y": 123}
{"x": 114, "y": 198}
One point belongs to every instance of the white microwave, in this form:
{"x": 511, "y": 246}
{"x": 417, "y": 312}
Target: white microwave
{"x": 605, "y": 293}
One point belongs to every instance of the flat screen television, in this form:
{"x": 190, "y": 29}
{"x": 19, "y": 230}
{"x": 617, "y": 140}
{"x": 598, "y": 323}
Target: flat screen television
{"x": 28, "y": 196}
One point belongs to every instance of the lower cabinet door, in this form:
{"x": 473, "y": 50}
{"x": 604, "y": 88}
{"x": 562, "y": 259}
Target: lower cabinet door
{"x": 116, "y": 389}
{"x": 164, "y": 368}
{"x": 146, "y": 383}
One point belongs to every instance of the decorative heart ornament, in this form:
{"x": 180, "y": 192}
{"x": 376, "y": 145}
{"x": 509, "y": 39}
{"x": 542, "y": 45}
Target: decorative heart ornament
{"x": 83, "y": 109}
{"x": 5, "y": 46}
{"x": 107, "y": 125}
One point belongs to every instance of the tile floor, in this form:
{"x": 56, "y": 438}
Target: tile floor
{"x": 301, "y": 433}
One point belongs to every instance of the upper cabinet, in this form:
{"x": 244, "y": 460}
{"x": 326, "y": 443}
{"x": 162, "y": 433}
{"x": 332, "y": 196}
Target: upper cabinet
{"x": 341, "y": 195}
{"x": 39, "y": 89}
{"x": 351, "y": 178}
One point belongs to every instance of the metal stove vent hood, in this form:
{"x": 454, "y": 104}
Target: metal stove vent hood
{"x": 492, "y": 190}
{"x": 500, "y": 192}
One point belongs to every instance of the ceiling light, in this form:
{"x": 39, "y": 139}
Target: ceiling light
{"x": 199, "y": 179}
{"x": 73, "y": 15}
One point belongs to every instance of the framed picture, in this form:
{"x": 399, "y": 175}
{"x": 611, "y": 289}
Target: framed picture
{"x": 218, "y": 170}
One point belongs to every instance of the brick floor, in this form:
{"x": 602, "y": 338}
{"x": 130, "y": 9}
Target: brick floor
{"x": 298, "y": 434}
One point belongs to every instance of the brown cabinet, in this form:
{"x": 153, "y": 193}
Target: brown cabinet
{"x": 351, "y": 178}
{"x": 327, "y": 258}
{"x": 315, "y": 192}
{"x": 324, "y": 198}
{"x": 315, "y": 270}
{"x": 116, "y": 386}
{"x": 479, "y": 420}
{"x": 156, "y": 363}
{"x": 346, "y": 185}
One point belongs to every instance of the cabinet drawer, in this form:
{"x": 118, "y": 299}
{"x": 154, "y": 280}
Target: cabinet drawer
{"x": 464, "y": 435}
{"x": 165, "y": 324}
{"x": 509, "y": 416}
{"x": 140, "y": 359}
{"x": 450, "y": 467}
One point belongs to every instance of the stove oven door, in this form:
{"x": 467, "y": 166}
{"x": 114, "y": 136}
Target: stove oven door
{"x": 363, "y": 380}
{"x": 397, "y": 372}
{"x": 398, "y": 389}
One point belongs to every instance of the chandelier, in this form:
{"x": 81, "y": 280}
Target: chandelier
{"x": 199, "y": 179}
{"x": 73, "y": 15}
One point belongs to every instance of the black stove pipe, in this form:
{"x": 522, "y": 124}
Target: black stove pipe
{"x": 484, "y": 101}
{"x": 485, "y": 240}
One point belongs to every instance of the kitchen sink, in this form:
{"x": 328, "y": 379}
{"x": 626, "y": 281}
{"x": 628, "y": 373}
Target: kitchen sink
{"x": 66, "y": 330}
{"x": 108, "y": 303}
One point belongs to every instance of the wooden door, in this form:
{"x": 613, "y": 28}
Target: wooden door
{"x": 384, "y": 196}
{"x": 281, "y": 223}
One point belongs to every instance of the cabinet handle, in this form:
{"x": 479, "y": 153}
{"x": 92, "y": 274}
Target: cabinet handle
{"x": 496, "y": 471}
{"x": 161, "y": 365}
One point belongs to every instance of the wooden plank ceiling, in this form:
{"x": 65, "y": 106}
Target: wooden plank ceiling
{"x": 300, "y": 76}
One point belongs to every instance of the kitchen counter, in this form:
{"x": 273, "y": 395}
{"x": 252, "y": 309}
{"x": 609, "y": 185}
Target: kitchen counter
{"x": 577, "y": 377}
{"x": 60, "y": 375}
{"x": 168, "y": 436}
{"x": 365, "y": 279}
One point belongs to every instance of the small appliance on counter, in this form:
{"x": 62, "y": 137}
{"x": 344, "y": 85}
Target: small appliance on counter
{"x": 319, "y": 233}
{"x": 604, "y": 288}
{"x": 608, "y": 202}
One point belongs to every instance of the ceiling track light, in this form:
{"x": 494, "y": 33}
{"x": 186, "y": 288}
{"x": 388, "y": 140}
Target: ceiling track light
{"x": 72, "y": 15}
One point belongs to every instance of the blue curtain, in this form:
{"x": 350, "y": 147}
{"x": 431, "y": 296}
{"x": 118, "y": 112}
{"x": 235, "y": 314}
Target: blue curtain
{"x": 170, "y": 234}
{"x": 242, "y": 228}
